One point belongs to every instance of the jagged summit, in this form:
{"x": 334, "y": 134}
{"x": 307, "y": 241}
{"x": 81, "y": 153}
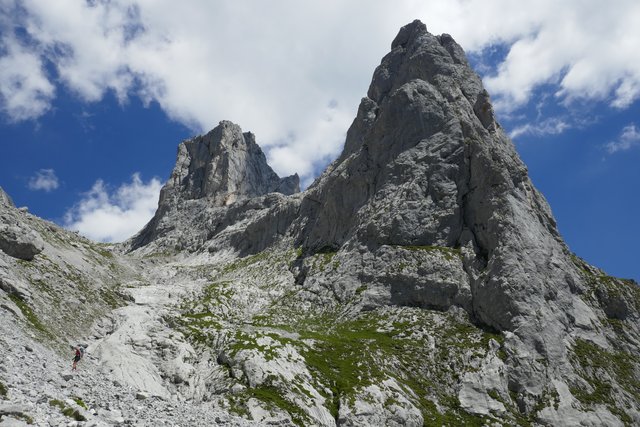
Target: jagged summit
{"x": 218, "y": 169}
{"x": 424, "y": 111}
{"x": 224, "y": 165}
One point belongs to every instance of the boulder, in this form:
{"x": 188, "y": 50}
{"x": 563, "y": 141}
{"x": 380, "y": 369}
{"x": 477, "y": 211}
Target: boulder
{"x": 20, "y": 242}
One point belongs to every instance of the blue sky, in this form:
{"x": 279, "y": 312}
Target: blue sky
{"x": 95, "y": 97}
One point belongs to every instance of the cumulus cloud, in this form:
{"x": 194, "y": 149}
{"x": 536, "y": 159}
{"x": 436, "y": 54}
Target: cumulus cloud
{"x": 293, "y": 72}
{"x": 45, "y": 180}
{"x": 629, "y": 138}
{"x": 551, "y": 126}
{"x": 25, "y": 90}
{"x": 110, "y": 215}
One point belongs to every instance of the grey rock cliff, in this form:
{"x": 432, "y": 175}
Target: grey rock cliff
{"x": 225, "y": 165}
{"x": 425, "y": 165}
{"x": 215, "y": 170}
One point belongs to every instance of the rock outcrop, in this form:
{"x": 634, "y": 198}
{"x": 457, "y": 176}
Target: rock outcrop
{"x": 5, "y": 199}
{"x": 20, "y": 242}
{"x": 17, "y": 238}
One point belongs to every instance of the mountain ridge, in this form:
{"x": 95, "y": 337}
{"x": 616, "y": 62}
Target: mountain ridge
{"x": 420, "y": 280}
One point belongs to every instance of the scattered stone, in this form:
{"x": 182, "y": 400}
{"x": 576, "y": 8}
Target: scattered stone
{"x": 141, "y": 395}
{"x": 237, "y": 388}
{"x": 67, "y": 376}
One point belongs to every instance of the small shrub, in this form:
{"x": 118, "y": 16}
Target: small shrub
{"x": 3, "y": 390}
{"x": 80, "y": 402}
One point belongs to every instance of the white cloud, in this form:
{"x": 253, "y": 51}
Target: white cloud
{"x": 274, "y": 67}
{"x": 552, "y": 126}
{"x": 629, "y": 138}
{"x": 25, "y": 91}
{"x": 113, "y": 216}
{"x": 45, "y": 180}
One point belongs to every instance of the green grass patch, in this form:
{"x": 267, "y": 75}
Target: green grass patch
{"x": 346, "y": 356}
{"x": 106, "y": 253}
{"x": 216, "y": 293}
{"x": 57, "y": 403}
{"x": 237, "y": 406}
{"x": 448, "y": 252}
{"x": 453, "y": 415}
{"x": 362, "y": 352}
{"x": 80, "y": 402}
{"x": 109, "y": 296}
{"x": 626, "y": 289}
{"x": 245, "y": 262}
{"x": 31, "y": 317}
{"x": 618, "y": 365}
{"x": 73, "y": 413}
{"x": 603, "y": 370}
{"x": 272, "y": 396}
{"x": 68, "y": 411}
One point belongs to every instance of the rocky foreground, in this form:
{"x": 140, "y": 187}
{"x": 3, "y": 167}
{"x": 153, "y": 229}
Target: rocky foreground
{"x": 421, "y": 280}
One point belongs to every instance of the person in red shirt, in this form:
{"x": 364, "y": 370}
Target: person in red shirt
{"x": 76, "y": 359}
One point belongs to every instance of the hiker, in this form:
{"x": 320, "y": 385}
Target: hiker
{"x": 77, "y": 358}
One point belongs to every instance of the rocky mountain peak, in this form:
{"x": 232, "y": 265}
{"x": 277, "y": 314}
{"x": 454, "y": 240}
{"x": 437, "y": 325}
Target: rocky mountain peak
{"x": 408, "y": 154}
{"x": 215, "y": 170}
{"x": 223, "y": 166}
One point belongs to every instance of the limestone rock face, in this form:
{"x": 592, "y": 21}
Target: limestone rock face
{"x": 225, "y": 165}
{"x": 218, "y": 169}
{"x": 425, "y": 164}
{"x": 426, "y": 167}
